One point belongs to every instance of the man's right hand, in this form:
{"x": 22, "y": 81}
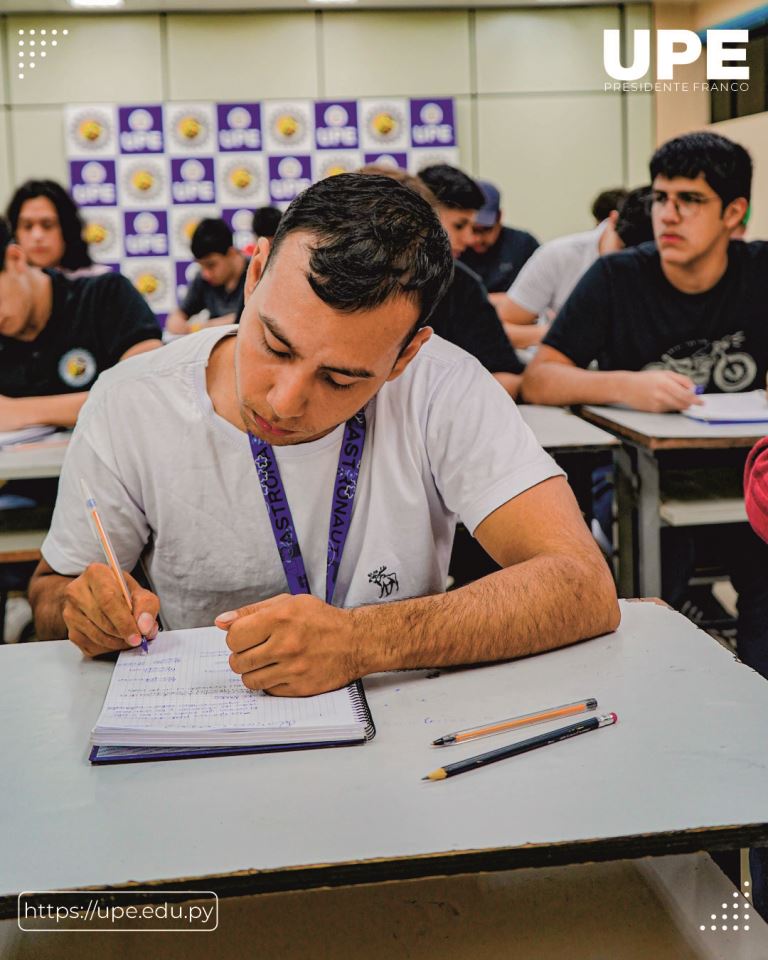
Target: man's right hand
{"x": 659, "y": 391}
{"x": 97, "y": 617}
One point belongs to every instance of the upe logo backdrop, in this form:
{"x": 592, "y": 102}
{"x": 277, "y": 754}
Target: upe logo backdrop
{"x": 725, "y": 59}
{"x": 145, "y": 174}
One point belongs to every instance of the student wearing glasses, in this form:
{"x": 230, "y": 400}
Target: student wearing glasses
{"x": 662, "y": 320}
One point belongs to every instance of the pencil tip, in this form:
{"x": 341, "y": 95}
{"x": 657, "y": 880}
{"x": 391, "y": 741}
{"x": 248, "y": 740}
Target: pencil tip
{"x": 425, "y": 778}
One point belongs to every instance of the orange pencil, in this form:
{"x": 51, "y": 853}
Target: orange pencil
{"x": 526, "y": 720}
{"x": 109, "y": 552}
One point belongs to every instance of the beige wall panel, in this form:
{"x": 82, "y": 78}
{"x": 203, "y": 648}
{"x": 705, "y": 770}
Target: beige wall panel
{"x": 640, "y": 139}
{"x": 99, "y": 60}
{"x": 403, "y": 53}
{"x": 752, "y": 133}
{"x": 465, "y": 133}
{"x": 242, "y": 56}
{"x": 712, "y": 13}
{"x": 542, "y": 50}
{"x": 3, "y": 86}
{"x": 6, "y": 185}
{"x": 37, "y": 144}
{"x": 550, "y": 156}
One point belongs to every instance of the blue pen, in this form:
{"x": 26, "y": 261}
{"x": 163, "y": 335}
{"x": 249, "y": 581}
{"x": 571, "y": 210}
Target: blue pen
{"x": 109, "y": 553}
{"x": 698, "y": 389}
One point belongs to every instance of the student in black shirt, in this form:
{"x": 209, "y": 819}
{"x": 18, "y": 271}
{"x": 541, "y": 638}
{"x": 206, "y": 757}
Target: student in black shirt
{"x": 662, "y": 320}
{"x": 219, "y": 287}
{"x": 57, "y": 335}
{"x": 497, "y": 253}
{"x": 465, "y": 315}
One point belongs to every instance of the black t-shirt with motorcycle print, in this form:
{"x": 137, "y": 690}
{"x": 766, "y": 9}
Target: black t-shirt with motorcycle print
{"x": 625, "y": 315}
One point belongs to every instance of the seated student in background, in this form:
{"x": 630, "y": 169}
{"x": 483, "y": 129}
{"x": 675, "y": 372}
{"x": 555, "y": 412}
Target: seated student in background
{"x": 661, "y": 320}
{"x": 264, "y": 224}
{"x": 333, "y": 366}
{"x": 218, "y": 287}
{"x": 46, "y": 224}
{"x": 497, "y": 253}
{"x": 465, "y": 315}
{"x": 57, "y": 335}
{"x": 546, "y": 280}
{"x": 606, "y": 202}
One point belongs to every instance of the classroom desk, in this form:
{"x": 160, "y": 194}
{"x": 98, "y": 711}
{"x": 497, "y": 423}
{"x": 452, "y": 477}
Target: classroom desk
{"x": 560, "y": 431}
{"x": 577, "y": 446}
{"x": 33, "y": 461}
{"x": 683, "y": 770}
{"x": 651, "y": 441}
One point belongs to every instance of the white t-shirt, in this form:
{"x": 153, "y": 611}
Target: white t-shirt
{"x": 550, "y": 274}
{"x": 444, "y": 440}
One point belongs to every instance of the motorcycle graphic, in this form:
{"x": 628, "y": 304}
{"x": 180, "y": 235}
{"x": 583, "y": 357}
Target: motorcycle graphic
{"x": 729, "y": 372}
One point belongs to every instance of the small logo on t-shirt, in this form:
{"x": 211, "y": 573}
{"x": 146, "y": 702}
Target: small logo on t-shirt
{"x": 385, "y": 580}
{"x": 714, "y": 361}
{"x": 77, "y": 367}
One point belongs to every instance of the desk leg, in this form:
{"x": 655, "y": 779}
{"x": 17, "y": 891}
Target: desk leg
{"x": 625, "y": 515}
{"x": 648, "y": 525}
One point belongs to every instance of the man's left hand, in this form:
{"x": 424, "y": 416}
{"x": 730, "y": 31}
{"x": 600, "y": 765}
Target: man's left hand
{"x": 291, "y": 646}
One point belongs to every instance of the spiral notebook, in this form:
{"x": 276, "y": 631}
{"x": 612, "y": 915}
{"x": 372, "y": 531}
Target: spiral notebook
{"x": 183, "y": 700}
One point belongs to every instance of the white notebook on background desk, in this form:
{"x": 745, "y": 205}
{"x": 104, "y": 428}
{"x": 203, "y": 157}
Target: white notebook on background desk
{"x": 751, "y": 407}
{"x": 9, "y": 438}
{"x": 183, "y": 700}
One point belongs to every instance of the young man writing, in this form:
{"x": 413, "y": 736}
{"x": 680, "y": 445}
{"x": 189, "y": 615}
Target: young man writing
{"x": 331, "y": 400}
{"x": 218, "y": 288}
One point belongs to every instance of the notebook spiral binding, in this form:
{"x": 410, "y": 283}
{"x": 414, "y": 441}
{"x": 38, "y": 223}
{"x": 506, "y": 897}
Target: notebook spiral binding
{"x": 362, "y": 710}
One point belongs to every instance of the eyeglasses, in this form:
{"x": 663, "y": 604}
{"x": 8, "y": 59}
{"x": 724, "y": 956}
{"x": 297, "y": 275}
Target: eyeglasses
{"x": 686, "y": 204}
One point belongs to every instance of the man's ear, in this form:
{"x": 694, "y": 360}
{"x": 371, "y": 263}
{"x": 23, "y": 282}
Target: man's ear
{"x": 415, "y": 344}
{"x": 257, "y": 265}
{"x": 734, "y": 212}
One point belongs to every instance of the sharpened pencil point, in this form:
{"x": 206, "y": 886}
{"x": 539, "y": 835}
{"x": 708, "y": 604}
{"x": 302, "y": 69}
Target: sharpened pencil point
{"x": 425, "y": 778}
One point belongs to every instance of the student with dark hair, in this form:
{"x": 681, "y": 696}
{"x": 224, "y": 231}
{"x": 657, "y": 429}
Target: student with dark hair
{"x": 215, "y": 295}
{"x": 661, "y": 320}
{"x": 57, "y": 335}
{"x": 465, "y": 316}
{"x": 606, "y": 202}
{"x": 497, "y": 253}
{"x": 332, "y": 396}
{"x": 47, "y": 226}
{"x": 266, "y": 221}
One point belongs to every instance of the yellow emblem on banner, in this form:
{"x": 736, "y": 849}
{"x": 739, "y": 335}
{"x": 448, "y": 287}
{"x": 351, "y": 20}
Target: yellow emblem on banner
{"x": 147, "y": 284}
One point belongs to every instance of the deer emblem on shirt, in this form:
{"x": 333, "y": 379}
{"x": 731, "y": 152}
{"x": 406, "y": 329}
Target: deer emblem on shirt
{"x": 385, "y": 580}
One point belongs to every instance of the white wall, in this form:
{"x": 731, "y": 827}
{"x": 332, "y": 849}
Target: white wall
{"x": 532, "y": 113}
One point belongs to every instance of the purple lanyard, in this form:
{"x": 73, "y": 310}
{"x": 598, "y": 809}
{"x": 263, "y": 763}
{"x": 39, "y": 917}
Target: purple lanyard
{"x": 283, "y": 529}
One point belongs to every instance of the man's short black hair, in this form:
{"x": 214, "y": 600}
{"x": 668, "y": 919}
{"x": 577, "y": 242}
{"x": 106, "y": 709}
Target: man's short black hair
{"x": 372, "y": 240}
{"x": 265, "y": 221}
{"x": 210, "y": 236}
{"x": 606, "y": 202}
{"x": 725, "y": 165}
{"x": 634, "y": 223}
{"x": 5, "y": 239}
{"x": 452, "y": 187}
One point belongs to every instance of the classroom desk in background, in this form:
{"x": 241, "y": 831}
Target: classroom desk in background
{"x": 682, "y": 771}
{"x": 34, "y": 461}
{"x": 659, "y": 445}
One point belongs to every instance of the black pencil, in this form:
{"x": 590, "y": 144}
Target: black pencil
{"x": 513, "y": 749}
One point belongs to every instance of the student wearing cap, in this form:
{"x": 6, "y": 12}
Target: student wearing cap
{"x": 218, "y": 287}
{"x": 222, "y": 456}
{"x": 465, "y": 315}
{"x": 497, "y": 253}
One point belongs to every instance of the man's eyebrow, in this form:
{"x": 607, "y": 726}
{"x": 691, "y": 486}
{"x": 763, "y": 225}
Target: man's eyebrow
{"x": 358, "y": 373}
